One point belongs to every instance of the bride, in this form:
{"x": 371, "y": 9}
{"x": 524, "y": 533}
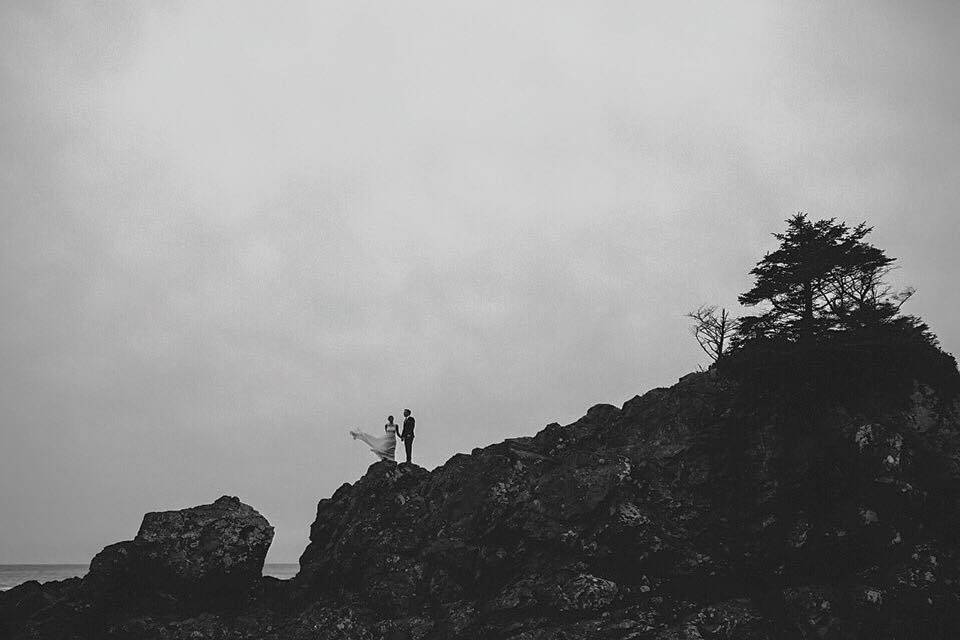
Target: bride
{"x": 384, "y": 446}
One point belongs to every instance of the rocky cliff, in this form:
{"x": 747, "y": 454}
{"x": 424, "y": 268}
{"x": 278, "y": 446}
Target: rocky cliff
{"x": 691, "y": 512}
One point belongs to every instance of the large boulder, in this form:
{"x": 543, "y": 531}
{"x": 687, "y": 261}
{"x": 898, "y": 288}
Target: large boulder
{"x": 211, "y": 550}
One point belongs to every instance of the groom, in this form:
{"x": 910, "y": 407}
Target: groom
{"x": 406, "y": 434}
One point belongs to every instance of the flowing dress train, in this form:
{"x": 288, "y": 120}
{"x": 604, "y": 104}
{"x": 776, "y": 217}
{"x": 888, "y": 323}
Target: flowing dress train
{"x": 384, "y": 446}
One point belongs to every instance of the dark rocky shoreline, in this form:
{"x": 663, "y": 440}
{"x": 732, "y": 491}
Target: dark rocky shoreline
{"x": 685, "y": 514}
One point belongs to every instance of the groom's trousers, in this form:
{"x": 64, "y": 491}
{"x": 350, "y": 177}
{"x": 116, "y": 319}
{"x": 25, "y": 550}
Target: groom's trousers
{"x": 408, "y": 445}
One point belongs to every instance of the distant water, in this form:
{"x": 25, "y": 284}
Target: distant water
{"x": 282, "y": 571}
{"x": 13, "y": 574}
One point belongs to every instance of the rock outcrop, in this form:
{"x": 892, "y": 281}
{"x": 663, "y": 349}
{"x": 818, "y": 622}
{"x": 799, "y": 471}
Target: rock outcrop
{"x": 680, "y": 515}
{"x": 210, "y": 551}
{"x": 693, "y": 512}
{"x": 180, "y": 562}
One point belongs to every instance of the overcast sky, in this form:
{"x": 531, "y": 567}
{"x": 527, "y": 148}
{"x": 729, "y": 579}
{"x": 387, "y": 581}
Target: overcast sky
{"x": 232, "y": 231}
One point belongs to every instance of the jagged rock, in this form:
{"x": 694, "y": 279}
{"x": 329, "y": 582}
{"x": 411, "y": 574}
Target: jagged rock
{"x": 674, "y": 508}
{"x": 212, "y": 550}
{"x": 690, "y": 513}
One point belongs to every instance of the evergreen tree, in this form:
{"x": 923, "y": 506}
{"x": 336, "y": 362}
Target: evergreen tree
{"x": 830, "y": 327}
{"x": 824, "y": 277}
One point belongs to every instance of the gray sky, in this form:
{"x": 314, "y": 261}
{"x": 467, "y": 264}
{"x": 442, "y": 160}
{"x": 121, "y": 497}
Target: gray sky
{"x": 231, "y": 231}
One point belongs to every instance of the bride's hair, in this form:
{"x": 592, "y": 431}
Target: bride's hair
{"x": 389, "y": 418}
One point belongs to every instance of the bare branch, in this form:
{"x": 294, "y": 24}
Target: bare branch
{"x": 712, "y": 328}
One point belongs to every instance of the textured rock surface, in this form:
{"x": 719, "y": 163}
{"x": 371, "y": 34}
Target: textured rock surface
{"x": 686, "y": 514}
{"x": 681, "y": 515}
{"x": 202, "y": 551}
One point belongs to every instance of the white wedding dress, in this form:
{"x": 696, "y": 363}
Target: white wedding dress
{"x": 384, "y": 446}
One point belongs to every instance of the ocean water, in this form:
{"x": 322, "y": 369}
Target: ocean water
{"x": 13, "y": 574}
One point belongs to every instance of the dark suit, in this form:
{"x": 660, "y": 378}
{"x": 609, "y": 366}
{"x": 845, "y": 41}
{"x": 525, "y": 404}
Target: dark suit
{"x": 407, "y": 435}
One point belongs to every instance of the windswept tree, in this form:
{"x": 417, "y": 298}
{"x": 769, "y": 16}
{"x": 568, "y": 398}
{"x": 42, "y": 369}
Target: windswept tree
{"x": 713, "y": 327}
{"x": 824, "y": 277}
{"x": 829, "y": 325}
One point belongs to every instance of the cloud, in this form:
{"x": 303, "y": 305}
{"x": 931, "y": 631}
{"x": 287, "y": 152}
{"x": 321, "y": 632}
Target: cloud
{"x": 233, "y": 232}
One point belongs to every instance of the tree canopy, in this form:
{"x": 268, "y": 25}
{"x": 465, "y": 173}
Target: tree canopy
{"x": 828, "y": 319}
{"x": 822, "y": 278}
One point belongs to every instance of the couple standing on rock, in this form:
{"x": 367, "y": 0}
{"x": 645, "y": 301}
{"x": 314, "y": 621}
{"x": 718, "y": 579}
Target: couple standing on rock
{"x": 386, "y": 446}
